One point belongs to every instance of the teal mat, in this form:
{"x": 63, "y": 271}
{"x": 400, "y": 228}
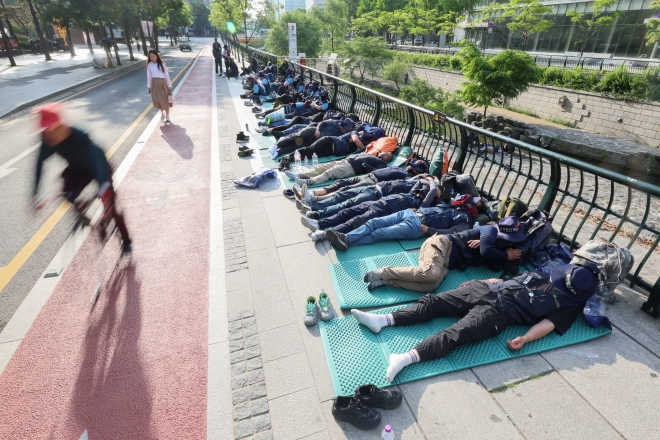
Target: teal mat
{"x": 370, "y": 250}
{"x": 351, "y": 290}
{"x": 356, "y": 356}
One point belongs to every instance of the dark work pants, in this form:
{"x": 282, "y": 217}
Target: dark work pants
{"x": 295, "y": 121}
{"x": 322, "y": 147}
{"x": 218, "y": 63}
{"x": 376, "y": 210}
{"x": 350, "y": 183}
{"x": 291, "y": 143}
{"x": 346, "y": 214}
{"x": 481, "y": 318}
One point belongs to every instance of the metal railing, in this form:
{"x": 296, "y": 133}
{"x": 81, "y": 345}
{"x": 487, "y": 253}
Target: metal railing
{"x": 636, "y": 66}
{"x": 586, "y": 201}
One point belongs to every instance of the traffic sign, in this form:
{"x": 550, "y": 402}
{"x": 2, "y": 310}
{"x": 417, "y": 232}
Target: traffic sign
{"x": 439, "y": 118}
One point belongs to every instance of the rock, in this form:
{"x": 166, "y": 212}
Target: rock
{"x": 488, "y": 123}
{"x": 489, "y": 129}
{"x": 534, "y": 140}
{"x": 518, "y": 124}
{"x": 545, "y": 141}
{"x": 515, "y": 135}
{"x": 477, "y": 123}
{"x": 504, "y": 132}
{"x": 523, "y": 138}
{"x": 528, "y": 132}
{"x": 500, "y": 119}
{"x": 471, "y": 117}
{"x": 478, "y": 117}
{"x": 509, "y": 121}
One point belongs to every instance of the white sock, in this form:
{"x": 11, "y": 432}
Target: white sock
{"x": 273, "y": 149}
{"x": 398, "y": 362}
{"x": 372, "y": 321}
{"x": 274, "y": 155}
{"x": 318, "y": 235}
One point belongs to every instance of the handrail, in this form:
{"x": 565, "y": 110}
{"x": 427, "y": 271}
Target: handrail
{"x": 585, "y": 200}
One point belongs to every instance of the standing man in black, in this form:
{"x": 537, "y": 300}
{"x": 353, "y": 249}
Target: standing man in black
{"x": 217, "y": 56}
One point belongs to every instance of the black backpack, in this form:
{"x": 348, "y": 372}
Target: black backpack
{"x": 538, "y": 230}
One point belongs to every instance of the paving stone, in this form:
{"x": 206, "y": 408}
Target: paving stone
{"x": 240, "y": 396}
{"x": 247, "y": 313}
{"x": 268, "y": 435}
{"x": 254, "y": 364}
{"x": 258, "y": 390}
{"x": 247, "y": 322}
{"x": 237, "y": 356}
{"x": 238, "y": 368}
{"x": 251, "y": 340}
{"x": 259, "y": 406}
{"x": 253, "y": 351}
{"x": 239, "y": 381}
{"x": 235, "y": 326}
{"x": 242, "y": 411}
{"x": 249, "y": 331}
{"x": 236, "y": 345}
{"x": 243, "y": 429}
{"x": 261, "y": 423}
{"x": 256, "y": 376}
{"x": 235, "y": 316}
{"x": 235, "y": 335}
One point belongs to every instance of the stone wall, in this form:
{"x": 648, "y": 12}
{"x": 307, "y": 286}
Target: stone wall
{"x": 635, "y": 121}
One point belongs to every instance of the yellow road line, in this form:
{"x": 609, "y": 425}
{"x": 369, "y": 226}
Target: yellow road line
{"x": 8, "y": 272}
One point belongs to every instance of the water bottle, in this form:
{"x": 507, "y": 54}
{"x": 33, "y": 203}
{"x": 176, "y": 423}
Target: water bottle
{"x": 476, "y": 225}
{"x": 315, "y": 160}
{"x": 387, "y": 433}
{"x": 296, "y": 158}
{"x": 306, "y": 161}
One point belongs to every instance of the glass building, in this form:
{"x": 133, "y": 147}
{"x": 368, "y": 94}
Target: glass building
{"x": 625, "y": 38}
{"x": 292, "y": 5}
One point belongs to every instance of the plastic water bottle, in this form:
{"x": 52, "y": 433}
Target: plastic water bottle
{"x": 296, "y": 158}
{"x": 306, "y": 161}
{"x": 315, "y": 160}
{"x": 476, "y": 225}
{"x": 388, "y": 433}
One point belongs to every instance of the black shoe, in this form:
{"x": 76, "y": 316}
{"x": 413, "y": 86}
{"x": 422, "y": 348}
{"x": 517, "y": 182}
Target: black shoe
{"x": 243, "y": 148}
{"x": 314, "y": 215}
{"x": 245, "y": 153}
{"x": 288, "y": 193}
{"x": 256, "y": 110}
{"x": 240, "y": 137}
{"x": 374, "y": 397}
{"x": 267, "y": 133}
{"x": 347, "y": 409}
{"x": 337, "y": 239}
{"x": 126, "y": 247}
{"x": 277, "y": 134}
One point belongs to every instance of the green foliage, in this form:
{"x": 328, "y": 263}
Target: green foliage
{"x": 524, "y": 16}
{"x": 200, "y": 14}
{"x": 396, "y": 71}
{"x": 421, "y": 94}
{"x": 576, "y": 78}
{"x": 522, "y": 111}
{"x": 588, "y": 25}
{"x": 419, "y": 59}
{"x": 24, "y": 42}
{"x": 333, "y": 18}
{"x": 492, "y": 80}
{"x": 309, "y": 37}
{"x": 653, "y": 31}
{"x": 560, "y": 121}
{"x": 622, "y": 85}
{"x": 366, "y": 55}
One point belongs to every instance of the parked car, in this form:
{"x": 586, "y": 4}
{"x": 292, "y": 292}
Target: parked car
{"x": 418, "y": 40}
{"x": 184, "y": 43}
{"x": 407, "y": 43}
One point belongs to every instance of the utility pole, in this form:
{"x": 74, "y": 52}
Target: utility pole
{"x": 42, "y": 40}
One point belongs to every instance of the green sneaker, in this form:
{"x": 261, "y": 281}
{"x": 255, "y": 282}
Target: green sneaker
{"x": 325, "y": 307}
{"x": 310, "y": 311}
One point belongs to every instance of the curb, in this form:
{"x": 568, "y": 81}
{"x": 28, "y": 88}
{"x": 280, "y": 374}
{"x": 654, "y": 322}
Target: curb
{"x": 86, "y": 83}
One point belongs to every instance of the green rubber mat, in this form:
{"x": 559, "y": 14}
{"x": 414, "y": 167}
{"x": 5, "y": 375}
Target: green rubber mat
{"x": 356, "y": 356}
{"x": 347, "y": 278}
{"x": 370, "y": 250}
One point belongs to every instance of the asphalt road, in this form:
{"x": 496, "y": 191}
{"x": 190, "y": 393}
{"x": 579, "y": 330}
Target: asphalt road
{"x": 105, "y": 111}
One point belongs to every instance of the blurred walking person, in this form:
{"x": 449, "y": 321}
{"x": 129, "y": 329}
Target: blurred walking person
{"x": 217, "y": 55}
{"x": 159, "y": 84}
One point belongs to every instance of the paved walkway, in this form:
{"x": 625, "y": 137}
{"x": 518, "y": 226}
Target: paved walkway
{"x": 201, "y": 332}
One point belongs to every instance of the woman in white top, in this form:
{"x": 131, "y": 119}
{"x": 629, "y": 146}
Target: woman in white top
{"x": 159, "y": 84}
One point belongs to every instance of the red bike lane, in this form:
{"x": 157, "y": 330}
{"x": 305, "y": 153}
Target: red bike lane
{"x": 134, "y": 366}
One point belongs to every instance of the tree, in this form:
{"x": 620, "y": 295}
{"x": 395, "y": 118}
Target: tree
{"x": 175, "y": 19}
{"x": 589, "y": 24}
{"x": 495, "y": 79}
{"x": 366, "y": 55}
{"x": 333, "y": 17}
{"x": 60, "y": 13}
{"x": 447, "y": 24}
{"x": 200, "y": 14}
{"x": 397, "y": 71}
{"x": 653, "y": 32}
{"x": 524, "y": 16}
{"x": 421, "y": 94}
{"x": 307, "y": 28}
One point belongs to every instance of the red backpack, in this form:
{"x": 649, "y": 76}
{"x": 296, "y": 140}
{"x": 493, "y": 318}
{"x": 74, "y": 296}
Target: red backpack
{"x": 465, "y": 201}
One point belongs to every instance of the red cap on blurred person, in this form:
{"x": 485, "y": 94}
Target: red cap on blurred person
{"x": 49, "y": 115}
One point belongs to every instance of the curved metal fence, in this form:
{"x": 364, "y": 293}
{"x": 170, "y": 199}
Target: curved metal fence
{"x": 586, "y": 201}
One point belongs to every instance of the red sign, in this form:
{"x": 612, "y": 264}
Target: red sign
{"x": 13, "y": 42}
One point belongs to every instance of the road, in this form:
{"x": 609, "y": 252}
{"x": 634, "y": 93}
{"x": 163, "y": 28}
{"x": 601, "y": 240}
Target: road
{"x": 106, "y": 112}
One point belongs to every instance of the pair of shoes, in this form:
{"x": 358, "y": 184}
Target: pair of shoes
{"x": 302, "y": 207}
{"x": 312, "y": 225}
{"x": 284, "y": 164}
{"x": 244, "y": 95}
{"x": 337, "y": 239}
{"x": 357, "y": 409}
{"x": 256, "y": 109}
{"x": 314, "y": 215}
{"x": 241, "y": 137}
{"x": 288, "y": 193}
{"x": 245, "y": 153}
{"x": 243, "y": 148}
{"x": 321, "y": 308}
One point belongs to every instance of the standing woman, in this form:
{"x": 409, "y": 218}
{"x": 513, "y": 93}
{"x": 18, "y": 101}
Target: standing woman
{"x": 159, "y": 84}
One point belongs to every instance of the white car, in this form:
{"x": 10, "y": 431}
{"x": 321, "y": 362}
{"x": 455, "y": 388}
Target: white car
{"x": 184, "y": 43}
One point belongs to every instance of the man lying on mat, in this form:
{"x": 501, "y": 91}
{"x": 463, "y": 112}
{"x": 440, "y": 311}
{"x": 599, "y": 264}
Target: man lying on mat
{"x": 486, "y": 308}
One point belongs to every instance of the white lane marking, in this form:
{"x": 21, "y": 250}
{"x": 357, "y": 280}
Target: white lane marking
{"x": 84, "y": 436}
{"x": 6, "y": 171}
{"x": 4, "y": 168}
{"x": 27, "y": 312}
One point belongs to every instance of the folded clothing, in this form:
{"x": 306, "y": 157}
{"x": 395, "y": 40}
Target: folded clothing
{"x": 254, "y": 179}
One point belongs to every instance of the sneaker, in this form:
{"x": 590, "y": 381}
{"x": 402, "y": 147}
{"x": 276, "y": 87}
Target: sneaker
{"x": 259, "y": 114}
{"x": 314, "y": 215}
{"x": 256, "y": 109}
{"x": 243, "y": 148}
{"x": 325, "y": 307}
{"x": 248, "y": 103}
{"x": 167, "y": 118}
{"x": 297, "y": 192}
{"x": 273, "y": 148}
{"x": 277, "y": 134}
{"x": 266, "y": 132}
{"x": 318, "y": 235}
{"x": 241, "y": 137}
{"x": 126, "y": 247}
{"x": 162, "y": 117}
{"x": 288, "y": 193}
{"x": 291, "y": 174}
{"x": 337, "y": 239}
{"x": 347, "y": 409}
{"x": 301, "y": 206}
{"x": 302, "y": 180}
{"x": 245, "y": 153}
{"x": 244, "y": 95}
{"x": 309, "y": 223}
{"x": 311, "y": 314}
{"x": 309, "y": 195}
{"x": 374, "y": 397}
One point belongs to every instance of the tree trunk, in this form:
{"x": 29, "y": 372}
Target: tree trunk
{"x": 11, "y": 29}
{"x": 114, "y": 44}
{"x": 108, "y": 54}
{"x": 128, "y": 42}
{"x": 155, "y": 36}
{"x": 485, "y": 108}
{"x": 5, "y": 39}
{"x": 89, "y": 40}
{"x": 69, "y": 39}
{"x": 144, "y": 41}
{"x": 42, "y": 40}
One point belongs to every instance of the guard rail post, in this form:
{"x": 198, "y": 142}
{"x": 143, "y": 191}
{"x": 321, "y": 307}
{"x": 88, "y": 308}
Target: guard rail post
{"x": 411, "y": 127}
{"x": 652, "y": 304}
{"x": 553, "y": 187}
{"x": 377, "y": 111}
{"x": 351, "y": 109}
{"x": 336, "y": 92}
{"x": 459, "y": 163}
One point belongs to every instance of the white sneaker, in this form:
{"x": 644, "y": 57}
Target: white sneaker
{"x": 273, "y": 150}
{"x": 312, "y": 225}
{"x": 167, "y": 118}
{"x": 162, "y": 116}
{"x": 318, "y": 235}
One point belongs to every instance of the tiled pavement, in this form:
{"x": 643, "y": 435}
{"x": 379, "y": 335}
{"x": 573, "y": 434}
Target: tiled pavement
{"x": 608, "y": 388}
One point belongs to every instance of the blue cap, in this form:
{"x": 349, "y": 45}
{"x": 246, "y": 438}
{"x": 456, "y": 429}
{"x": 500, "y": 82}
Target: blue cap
{"x": 511, "y": 229}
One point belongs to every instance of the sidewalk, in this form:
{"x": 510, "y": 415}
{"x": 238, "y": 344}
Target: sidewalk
{"x": 201, "y": 333}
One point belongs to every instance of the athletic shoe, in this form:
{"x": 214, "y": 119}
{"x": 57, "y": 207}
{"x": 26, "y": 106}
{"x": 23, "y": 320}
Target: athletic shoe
{"x": 248, "y": 103}
{"x": 325, "y": 307}
{"x": 291, "y": 174}
{"x": 245, "y": 153}
{"x": 376, "y": 284}
{"x": 311, "y": 313}
{"x": 347, "y": 409}
{"x": 167, "y": 118}
{"x": 288, "y": 193}
{"x": 314, "y": 215}
{"x": 241, "y": 137}
{"x": 372, "y": 275}
{"x": 126, "y": 247}
{"x": 273, "y": 149}
{"x": 318, "y": 235}
{"x": 309, "y": 195}
{"x": 298, "y": 193}
{"x": 244, "y": 95}
{"x": 243, "y": 148}
{"x": 302, "y": 180}
{"x": 374, "y": 397}
{"x": 277, "y": 134}
{"x": 266, "y": 132}
{"x": 256, "y": 109}
{"x": 301, "y": 206}
{"x": 259, "y": 114}
{"x": 310, "y": 224}
{"x": 162, "y": 117}
{"x": 337, "y": 239}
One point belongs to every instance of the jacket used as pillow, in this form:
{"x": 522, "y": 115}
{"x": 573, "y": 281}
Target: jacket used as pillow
{"x": 382, "y": 145}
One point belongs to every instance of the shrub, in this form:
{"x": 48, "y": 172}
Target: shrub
{"x": 422, "y": 94}
{"x": 24, "y": 42}
{"x": 620, "y": 84}
{"x": 651, "y": 79}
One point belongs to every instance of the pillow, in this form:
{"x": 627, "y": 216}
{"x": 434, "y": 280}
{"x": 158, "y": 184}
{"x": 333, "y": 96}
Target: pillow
{"x": 401, "y": 156}
{"x": 439, "y": 163}
{"x": 382, "y": 145}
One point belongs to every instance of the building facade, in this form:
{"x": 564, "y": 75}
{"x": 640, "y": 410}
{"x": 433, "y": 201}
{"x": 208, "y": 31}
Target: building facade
{"x": 292, "y": 5}
{"x": 312, "y": 3}
{"x": 625, "y": 38}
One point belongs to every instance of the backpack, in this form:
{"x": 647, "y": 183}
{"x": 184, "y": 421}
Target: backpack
{"x": 373, "y": 133}
{"x": 511, "y": 206}
{"x": 447, "y": 182}
{"x": 464, "y": 201}
{"x": 459, "y": 183}
{"x": 538, "y": 230}
{"x": 613, "y": 261}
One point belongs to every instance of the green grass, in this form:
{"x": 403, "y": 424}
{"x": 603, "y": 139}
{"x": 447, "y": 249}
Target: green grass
{"x": 560, "y": 121}
{"x": 522, "y": 111}
{"x": 511, "y": 385}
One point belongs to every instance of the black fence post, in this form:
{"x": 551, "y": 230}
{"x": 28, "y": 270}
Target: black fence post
{"x": 652, "y": 305}
{"x": 553, "y": 186}
{"x": 336, "y": 92}
{"x": 353, "y": 100}
{"x": 463, "y": 150}
{"x": 377, "y": 112}
{"x": 411, "y": 127}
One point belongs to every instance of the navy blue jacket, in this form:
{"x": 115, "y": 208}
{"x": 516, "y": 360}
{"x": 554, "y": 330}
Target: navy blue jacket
{"x": 462, "y": 256}
{"x": 389, "y": 173}
{"x": 365, "y": 163}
